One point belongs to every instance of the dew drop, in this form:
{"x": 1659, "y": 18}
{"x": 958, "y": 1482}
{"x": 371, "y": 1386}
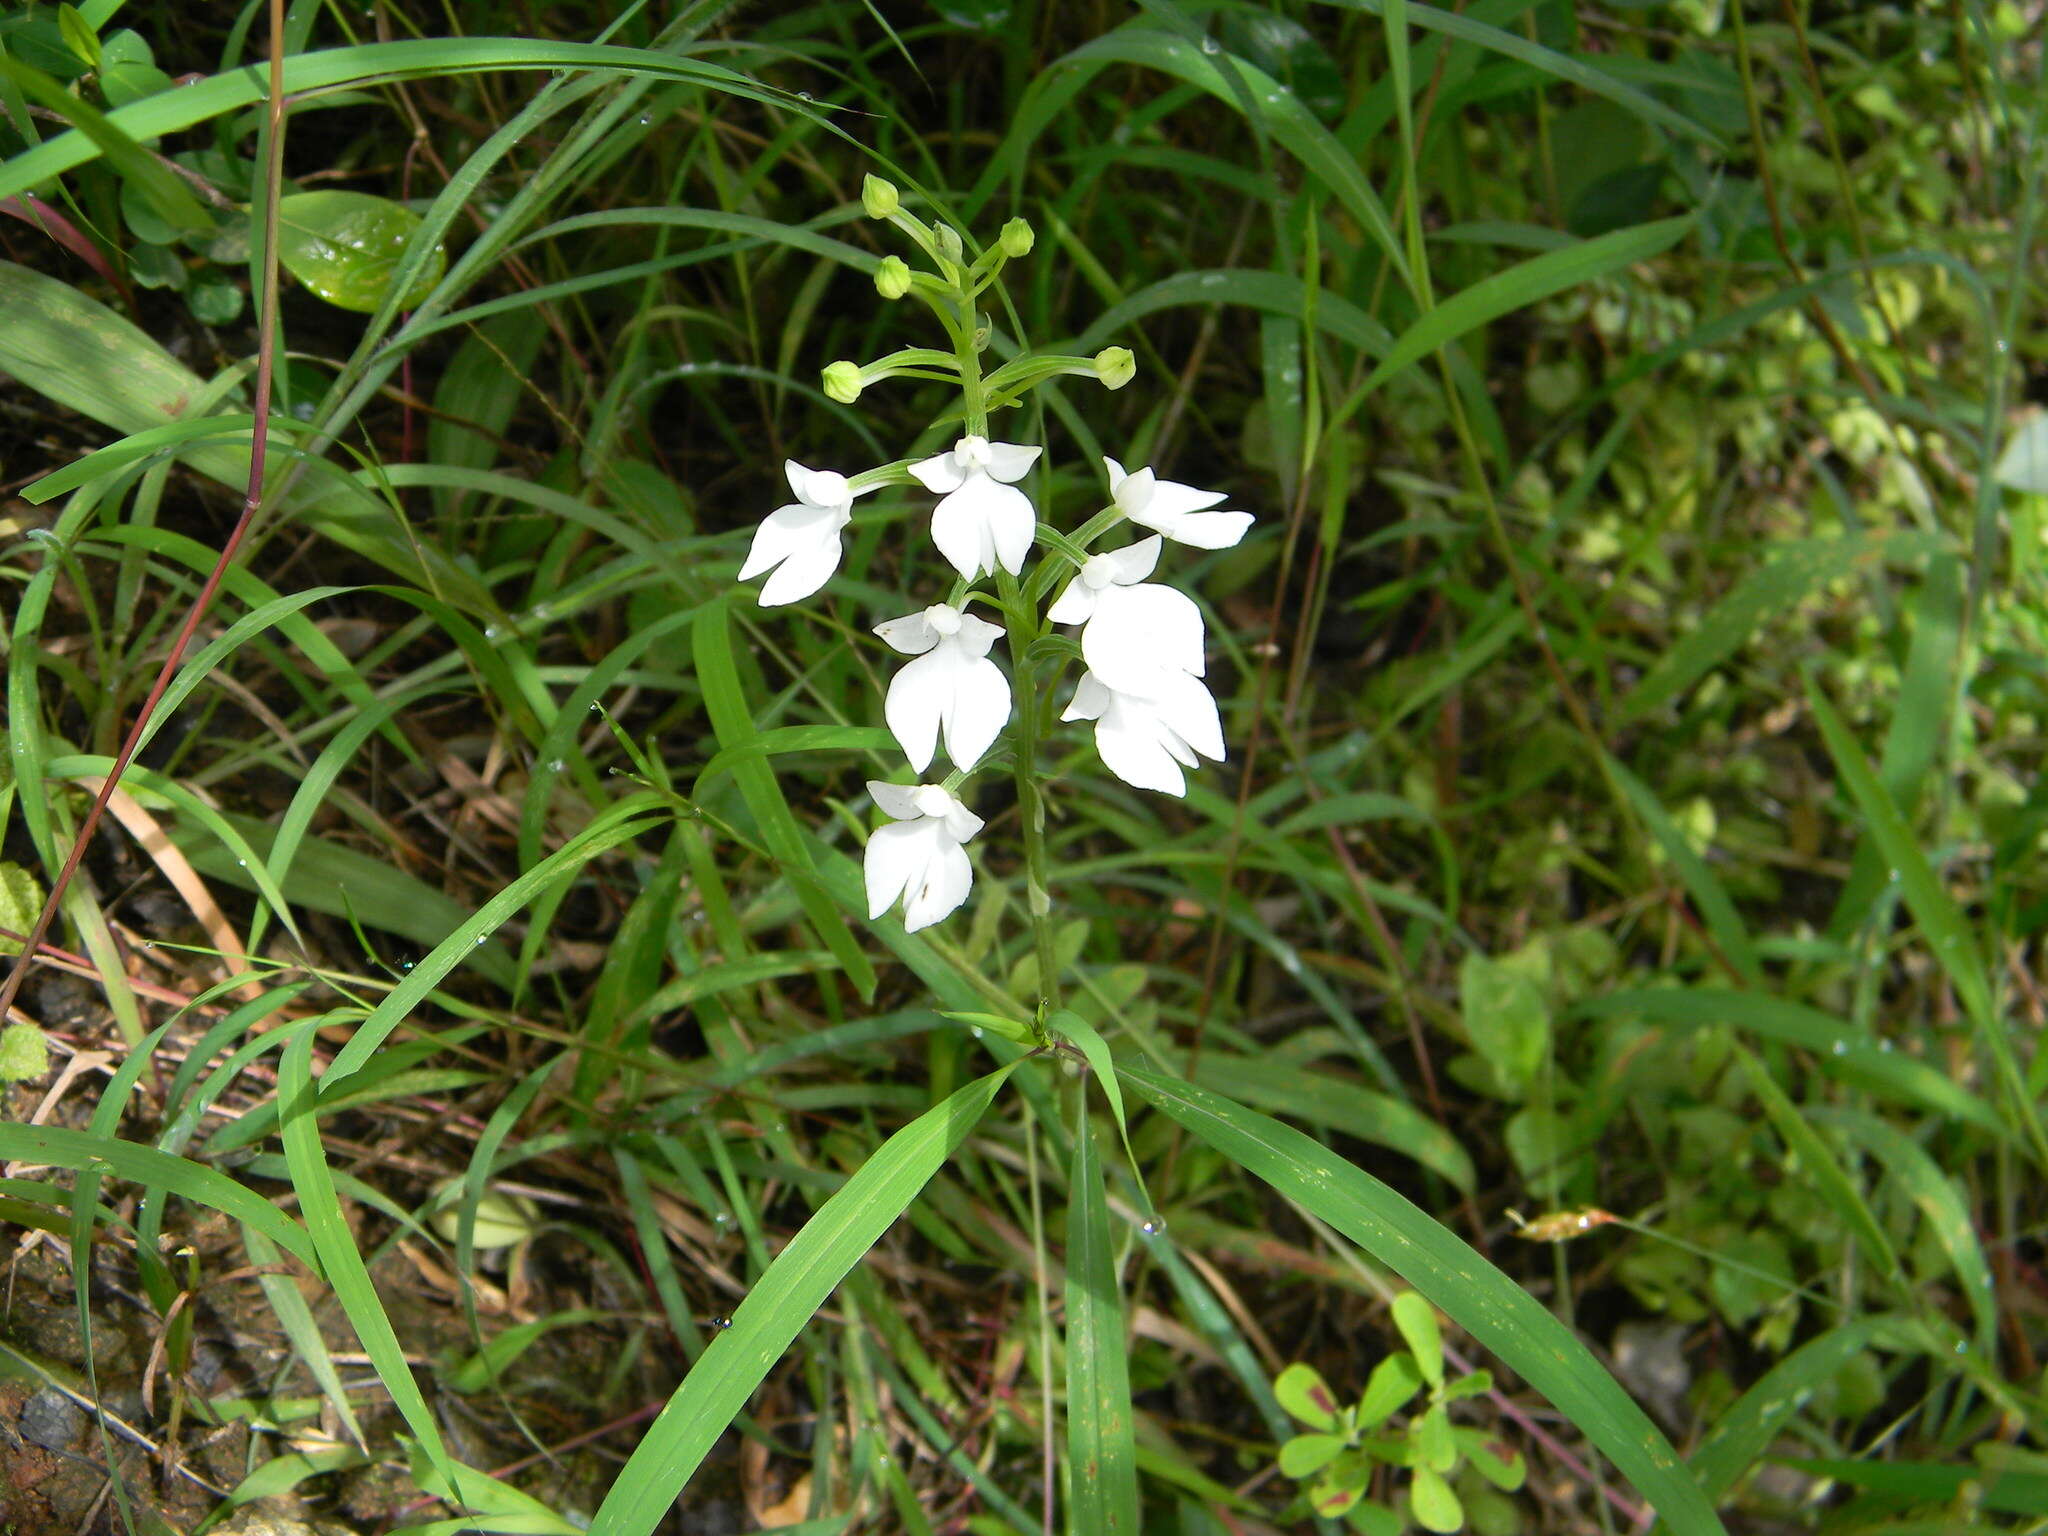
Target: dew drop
{"x": 1152, "y": 1226}
{"x": 479, "y": 938}
{"x": 1840, "y": 1048}
{"x": 492, "y": 632}
{"x": 721, "y": 1322}
{"x": 149, "y": 943}
{"x": 556, "y": 765}
{"x": 721, "y": 1219}
{"x": 241, "y": 863}
{"x": 1210, "y": 45}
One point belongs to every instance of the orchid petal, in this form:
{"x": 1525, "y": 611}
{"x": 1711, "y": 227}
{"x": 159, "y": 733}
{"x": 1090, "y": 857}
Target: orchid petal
{"x": 1137, "y": 561}
{"x": 1171, "y": 499}
{"x": 1139, "y": 631}
{"x": 1011, "y": 462}
{"x": 947, "y": 877}
{"x": 915, "y": 705}
{"x": 898, "y": 801}
{"x": 1090, "y": 700}
{"x": 976, "y": 710}
{"x": 977, "y": 635}
{"x": 941, "y": 473}
{"x": 1134, "y": 493}
{"x": 912, "y": 634}
{"x": 963, "y": 538}
{"x": 961, "y": 823}
{"x": 1187, "y": 708}
{"x": 1210, "y": 530}
{"x": 1136, "y": 755}
{"x": 896, "y": 857}
{"x": 1073, "y": 606}
{"x": 1116, "y": 475}
{"x": 807, "y": 569}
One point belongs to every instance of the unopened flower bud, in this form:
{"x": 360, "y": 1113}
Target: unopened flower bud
{"x": 892, "y": 278}
{"x": 878, "y": 197}
{"x": 947, "y": 240}
{"x": 1115, "y": 366}
{"x": 842, "y": 381}
{"x": 1017, "y": 238}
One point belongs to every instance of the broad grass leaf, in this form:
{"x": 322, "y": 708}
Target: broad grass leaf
{"x": 1101, "y": 1449}
{"x": 1499, "y": 1314}
{"x": 781, "y": 1302}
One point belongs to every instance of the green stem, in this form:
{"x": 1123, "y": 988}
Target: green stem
{"x": 1021, "y": 621}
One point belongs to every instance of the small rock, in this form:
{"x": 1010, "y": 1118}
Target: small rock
{"x": 51, "y": 1420}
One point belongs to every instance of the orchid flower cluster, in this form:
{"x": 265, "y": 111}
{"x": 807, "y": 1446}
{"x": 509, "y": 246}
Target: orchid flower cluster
{"x": 1141, "y": 642}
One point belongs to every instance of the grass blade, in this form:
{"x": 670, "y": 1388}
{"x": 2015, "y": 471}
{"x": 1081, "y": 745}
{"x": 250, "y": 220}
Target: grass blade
{"x": 1102, "y": 1468}
{"x": 776, "y": 1309}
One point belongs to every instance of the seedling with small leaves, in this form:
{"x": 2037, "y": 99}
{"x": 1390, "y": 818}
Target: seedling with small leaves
{"x": 1457, "y": 1476}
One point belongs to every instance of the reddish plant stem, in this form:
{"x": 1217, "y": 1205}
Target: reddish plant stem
{"x": 266, "y": 359}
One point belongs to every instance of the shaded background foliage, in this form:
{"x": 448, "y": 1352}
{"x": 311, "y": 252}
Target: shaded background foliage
{"x": 1633, "y": 688}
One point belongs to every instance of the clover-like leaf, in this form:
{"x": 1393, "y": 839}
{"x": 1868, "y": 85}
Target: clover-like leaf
{"x": 1434, "y": 1505}
{"x": 1304, "y": 1394}
{"x": 1499, "y": 1463}
{"x": 1393, "y": 1381}
{"x": 1306, "y": 1455}
{"x": 1416, "y": 1319}
{"x": 1435, "y": 1447}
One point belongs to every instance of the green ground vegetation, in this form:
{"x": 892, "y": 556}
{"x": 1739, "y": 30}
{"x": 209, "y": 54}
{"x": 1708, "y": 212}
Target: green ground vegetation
{"x": 1578, "y": 1061}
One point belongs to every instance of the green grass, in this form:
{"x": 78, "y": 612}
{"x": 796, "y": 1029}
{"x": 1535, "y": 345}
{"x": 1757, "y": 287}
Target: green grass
{"x": 1632, "y": 691}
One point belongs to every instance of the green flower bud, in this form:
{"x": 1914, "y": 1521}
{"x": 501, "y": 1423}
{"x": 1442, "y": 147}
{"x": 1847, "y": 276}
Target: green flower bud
{"x": 1017, "y": 238}
{"x": 1115, "y": 366}
{"x": 878, "y": 197}
{"x": 842, "y": 381}
{"x": 947, "y": 240}
{"x": 892, "y": 278}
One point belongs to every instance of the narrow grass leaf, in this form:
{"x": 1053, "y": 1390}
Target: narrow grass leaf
{"x": 341, "y": 1260}
{"x": 1518, "y": 287}
{"x": 774, "y": 1312}
{"x": 725, "y": 701}
{"x": 1819, "y": 1164}
{"x": 57, "y": 1147}
{"x": 1947, "y": 1213}
{"x": 1772, "y": 589}
{"x": 1479, "y": 1298}
{"x": 1731, "y": 937}
{"x": 1102, "y": 1466}
{"x": 1839, "y": 1050}
{"x": 1940, "y": 919}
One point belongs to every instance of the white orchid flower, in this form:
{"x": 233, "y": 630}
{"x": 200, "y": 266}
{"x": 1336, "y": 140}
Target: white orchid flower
{"x": 1118, "y": 568}
{"x": 1173, "y": 509}
{"x": 984, "y": 520}
{"x": 1147, "y": 738}
{"x": 801, "y": 540}
{"x": 918, "y": 857}
{"x": 1136, "y": 633}
{"x": 952, "y": 686}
